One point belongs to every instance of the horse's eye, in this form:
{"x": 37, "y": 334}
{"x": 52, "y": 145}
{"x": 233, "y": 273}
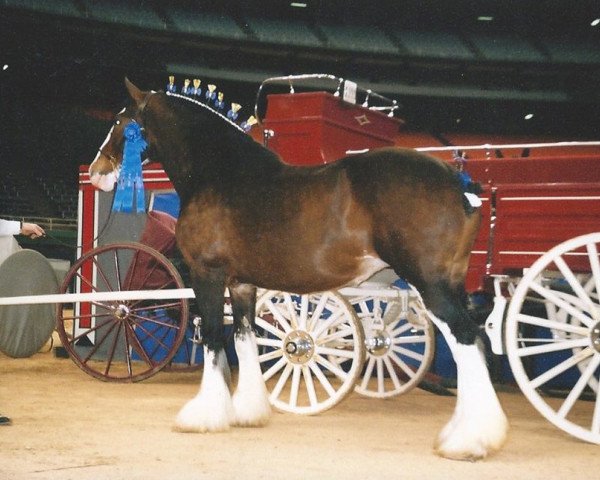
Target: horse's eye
{"x": 117, "y": 122}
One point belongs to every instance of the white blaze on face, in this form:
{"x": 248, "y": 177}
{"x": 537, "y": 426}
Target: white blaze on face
{"x": 104, "y": 181}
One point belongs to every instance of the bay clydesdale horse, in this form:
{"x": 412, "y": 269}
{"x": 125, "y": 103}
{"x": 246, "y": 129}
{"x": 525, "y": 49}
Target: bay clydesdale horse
{"x": 249, "y": 220}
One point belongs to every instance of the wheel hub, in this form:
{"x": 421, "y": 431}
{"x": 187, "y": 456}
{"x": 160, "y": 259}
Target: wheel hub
{"x": 121, "y": 312}
{"x": 595, "y": 337}
{"x": 299, "y": 347}
{"x": 378, "y": 343}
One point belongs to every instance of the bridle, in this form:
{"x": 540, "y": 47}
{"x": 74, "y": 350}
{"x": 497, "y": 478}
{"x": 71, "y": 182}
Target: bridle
{"x": 141, "y": 107}
{"x": 111, "y": 158}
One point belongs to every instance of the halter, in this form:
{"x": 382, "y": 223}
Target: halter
{"x": 111, "y": 158}
{"x": 142, "y": 106}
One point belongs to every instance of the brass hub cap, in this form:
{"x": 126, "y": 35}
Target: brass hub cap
{"x": 121, "y": 312}
{"x": 299, "y": 347}
{"x": 378, "y": 343}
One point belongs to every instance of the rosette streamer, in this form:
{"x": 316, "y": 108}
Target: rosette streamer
{"x": 130, "y": 186}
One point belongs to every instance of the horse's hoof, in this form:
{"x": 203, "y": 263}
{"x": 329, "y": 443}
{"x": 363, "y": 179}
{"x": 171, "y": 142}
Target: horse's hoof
{"x": 472, "y": 438}
{"x": 196, "y": 417}
{"x": 471, "y": 444}
{"x": 251, "y": 411}
{"x": 469, "y": 455}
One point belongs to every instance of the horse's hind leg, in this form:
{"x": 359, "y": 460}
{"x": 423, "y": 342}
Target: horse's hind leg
{"x": 211, "y": 410}
{"x": 478, "y": 425}
{"x": 251, "y": 399}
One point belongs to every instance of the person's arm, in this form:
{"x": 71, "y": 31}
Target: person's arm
{"x": 9, "y": 227}
{"x": 13, "y": 227}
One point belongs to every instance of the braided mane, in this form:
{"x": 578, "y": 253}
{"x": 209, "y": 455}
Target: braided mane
{"x": 203, "y": 105}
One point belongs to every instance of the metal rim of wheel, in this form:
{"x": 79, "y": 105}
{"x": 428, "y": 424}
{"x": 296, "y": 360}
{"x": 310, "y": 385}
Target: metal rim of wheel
{"x": 122, "y": 341}
{"x": 311, "y": 346}
{"x": 560, "y": 348}
{"x": 398, "y": 352}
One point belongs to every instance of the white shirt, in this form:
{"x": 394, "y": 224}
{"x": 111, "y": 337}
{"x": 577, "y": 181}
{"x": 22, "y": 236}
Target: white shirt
{"x": 9, "y": 227}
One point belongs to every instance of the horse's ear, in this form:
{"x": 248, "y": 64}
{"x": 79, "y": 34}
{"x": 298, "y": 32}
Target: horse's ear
{"x": 134, "y": 92}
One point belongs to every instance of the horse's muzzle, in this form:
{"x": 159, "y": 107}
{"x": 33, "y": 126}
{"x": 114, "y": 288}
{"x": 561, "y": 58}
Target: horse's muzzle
{"x": 105, "y": 182}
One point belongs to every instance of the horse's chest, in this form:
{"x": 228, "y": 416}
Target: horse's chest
{"x": 205, "y": 233}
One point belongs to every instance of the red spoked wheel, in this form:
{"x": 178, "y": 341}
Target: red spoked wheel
{"x": 125, "y": 340}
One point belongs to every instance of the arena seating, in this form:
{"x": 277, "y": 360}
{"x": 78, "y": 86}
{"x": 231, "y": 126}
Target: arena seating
{"x": 234, "y": 23}
{"x": 120, "y": 12}
{"x": 210, "y": 24}
{"x": 26, "y": 196}
{"x": 287, "y": 32}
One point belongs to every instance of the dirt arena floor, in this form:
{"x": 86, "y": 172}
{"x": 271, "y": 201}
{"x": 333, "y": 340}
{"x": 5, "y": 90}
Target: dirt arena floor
{"x": 67, "y": 425}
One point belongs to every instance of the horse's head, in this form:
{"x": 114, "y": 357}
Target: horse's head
{"x": 104, "y": 170}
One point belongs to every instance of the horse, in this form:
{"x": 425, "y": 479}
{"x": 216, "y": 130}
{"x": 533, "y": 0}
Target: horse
{"x": 248, "y": 220}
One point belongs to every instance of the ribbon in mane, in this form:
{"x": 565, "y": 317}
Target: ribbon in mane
{"x": 130, "y": 178}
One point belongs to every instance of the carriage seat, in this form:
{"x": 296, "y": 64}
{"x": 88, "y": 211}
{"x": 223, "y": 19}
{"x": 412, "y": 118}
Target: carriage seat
{"x": 158, "y": 233}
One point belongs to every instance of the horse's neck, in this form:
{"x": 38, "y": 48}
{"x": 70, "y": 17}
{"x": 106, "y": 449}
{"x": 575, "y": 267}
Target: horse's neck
{"x": 211, "y": 156}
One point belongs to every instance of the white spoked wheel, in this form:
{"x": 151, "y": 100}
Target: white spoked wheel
{"x": 311, "y": 349}
{"x": 553, "y": 336}
{"x": 560, "y": 314}
{"x": 398, "y": 352}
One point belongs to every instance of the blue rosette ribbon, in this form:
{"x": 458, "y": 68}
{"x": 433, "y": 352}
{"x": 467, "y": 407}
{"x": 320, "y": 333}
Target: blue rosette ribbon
{"x": 130, "y": 186}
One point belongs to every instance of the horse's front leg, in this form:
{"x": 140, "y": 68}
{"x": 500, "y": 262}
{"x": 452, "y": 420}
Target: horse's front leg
{"x": 478, "y": 426}
{"x": 251, "y": 398}
{"x": 211, "y": 410}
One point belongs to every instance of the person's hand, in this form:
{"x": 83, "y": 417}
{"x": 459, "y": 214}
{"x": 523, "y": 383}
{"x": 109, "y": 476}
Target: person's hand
{"x": 32, "y": 230}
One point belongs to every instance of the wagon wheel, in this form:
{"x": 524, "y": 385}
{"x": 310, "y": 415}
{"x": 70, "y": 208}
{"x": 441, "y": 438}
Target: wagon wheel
{"x": 312, "y": 346}
{"x": 398, "y": 352}
{"x": 564, "y": 348}
{"x": 122, "y": 341}
{"x": 554, "y": 312}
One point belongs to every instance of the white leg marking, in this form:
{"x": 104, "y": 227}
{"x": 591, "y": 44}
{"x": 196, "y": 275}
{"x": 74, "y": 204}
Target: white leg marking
{"x": 478, "y": 425}
{"x": 211, "y": 410}
{"x": 251, "y": 398}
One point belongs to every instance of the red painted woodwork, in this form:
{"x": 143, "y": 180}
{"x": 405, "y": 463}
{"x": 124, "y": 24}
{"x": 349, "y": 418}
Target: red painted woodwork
{"x": 317, "y": 127}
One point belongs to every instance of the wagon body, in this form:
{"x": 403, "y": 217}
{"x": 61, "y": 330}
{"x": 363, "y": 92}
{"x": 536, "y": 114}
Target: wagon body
{"x": 531, "y": 204}
{"x": 314, "y": 128}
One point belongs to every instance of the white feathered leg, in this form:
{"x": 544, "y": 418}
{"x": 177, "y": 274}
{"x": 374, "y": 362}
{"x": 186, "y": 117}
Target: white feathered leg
{"x": 478, "y": 425}
{"x": 251, "y": 398}
{"x": 212, "y": 409}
